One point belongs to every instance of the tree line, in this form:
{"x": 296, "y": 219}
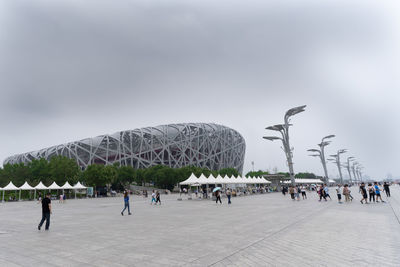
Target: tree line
{"x": 62, "y": 169}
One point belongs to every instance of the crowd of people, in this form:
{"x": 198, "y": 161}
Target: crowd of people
{"x": 369, "y": 193}
{"x": 295, "y": 192}
{"x": 372, "y": 191}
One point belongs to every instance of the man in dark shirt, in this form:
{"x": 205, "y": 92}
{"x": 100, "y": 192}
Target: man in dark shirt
{"x": 363, "y": 192}
{"x": 46, "y": 211}
{"x": 386, "y": 188}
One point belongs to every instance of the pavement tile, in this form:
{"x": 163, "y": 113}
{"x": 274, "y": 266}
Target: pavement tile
{"x": 258, "y": 230}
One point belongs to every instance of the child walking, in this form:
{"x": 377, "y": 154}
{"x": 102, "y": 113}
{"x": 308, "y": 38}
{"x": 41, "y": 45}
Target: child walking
{"x": 153, "y": 198}
{"x": 158, "y": 197}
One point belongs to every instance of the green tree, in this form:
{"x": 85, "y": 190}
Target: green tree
{"x": 62, "y": 169}
{"x": 125, "y": 176}
{"x": 256, "y": 173}
{"x": 40, "y": 171}
{"x": 305, "y": 175}
{"x": 110, "y": 174}
{"x": 17, "y": 173}
{"x": 94, "y": 175}
{"x": 3, "y": 178}
{"x": 164, "y": 177}
{"x": 140, "y": 176}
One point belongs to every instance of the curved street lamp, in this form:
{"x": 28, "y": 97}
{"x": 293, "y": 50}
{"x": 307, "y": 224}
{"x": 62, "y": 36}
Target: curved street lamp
{"x": 358, "y": 171}
{"x": 321, "y": 154}
{"x": 348, "y": 167}
{"x": 355, "y": 163}
{"x": 336, "y": 159}
{"x": 283, "y": 129}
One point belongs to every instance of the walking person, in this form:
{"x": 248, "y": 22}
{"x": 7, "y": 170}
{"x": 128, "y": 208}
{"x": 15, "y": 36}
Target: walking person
{"x": 298, "y": 191}
{"x": 321, "y": 193}
{"x": 218, "y": 195}
{"x": 350, "y": 196}
{"x": 153, "y": 198}
{"x": 363, "y": 192}
{"x": 158, "y": 198}
{"x": 371, "y": 191}
{"x": 40, "y": 197}
{"x": 126, "y": 202}
{"x": 46, "y": 211}
{"x": 326, "y": 191}
{"x": 378, "y": 192}
{"x": 338, "y": 192}
{"x": 228, "y": 194}
{"x": 291, "y": 192}
{"x": 387, "y": 189}
{"x": 346, "y": 193}
{"x": 303, "y": 192}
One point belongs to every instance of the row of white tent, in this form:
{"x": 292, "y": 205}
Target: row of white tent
{"x": 41, "y": 186}
{"x": 304, "y": 181}
{"x": 308, "y": 181}
{"x": 194, "y": 181}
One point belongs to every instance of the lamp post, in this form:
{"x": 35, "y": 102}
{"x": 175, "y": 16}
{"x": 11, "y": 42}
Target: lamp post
{"x": 354, "y": 170}
{"x": 284, "y": 131}
{"x": 359, "y": 168}
{"x": 321, "y": 154}
{"x": 348, "y": 167}
{"x": 336, "y": 159}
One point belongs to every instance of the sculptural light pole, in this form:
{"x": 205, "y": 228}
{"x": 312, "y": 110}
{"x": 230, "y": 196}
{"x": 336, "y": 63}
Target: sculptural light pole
{"x": 358, "y": 171}
{"x": 354, "y": 170}
{"x": 321, "y": 154}
{"x": 348, "y": 167}
{"x": 284, "y": 131}
{"x": 336, "y": 159}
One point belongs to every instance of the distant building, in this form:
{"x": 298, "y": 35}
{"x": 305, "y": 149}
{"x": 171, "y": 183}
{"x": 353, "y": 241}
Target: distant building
{"x": 175, "y": 145}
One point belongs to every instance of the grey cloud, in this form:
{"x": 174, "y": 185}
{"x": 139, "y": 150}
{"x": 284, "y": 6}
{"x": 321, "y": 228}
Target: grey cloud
{"x": 99, "y": 66}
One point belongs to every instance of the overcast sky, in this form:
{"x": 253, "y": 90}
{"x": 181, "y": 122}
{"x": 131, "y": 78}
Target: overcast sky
{"x": 71, "y": 69}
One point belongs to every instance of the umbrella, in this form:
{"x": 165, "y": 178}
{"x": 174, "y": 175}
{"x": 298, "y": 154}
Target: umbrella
{"x": 217, "y": 189}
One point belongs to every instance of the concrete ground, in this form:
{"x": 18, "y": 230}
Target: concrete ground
{"x": 259, "y": 230}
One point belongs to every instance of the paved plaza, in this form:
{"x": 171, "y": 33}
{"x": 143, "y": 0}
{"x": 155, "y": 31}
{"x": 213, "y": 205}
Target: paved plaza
{"x": 258, "y": 230}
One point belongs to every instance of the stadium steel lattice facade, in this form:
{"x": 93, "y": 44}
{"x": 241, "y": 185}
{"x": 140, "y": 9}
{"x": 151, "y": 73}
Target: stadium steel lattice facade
{"x": 176, "y": 145}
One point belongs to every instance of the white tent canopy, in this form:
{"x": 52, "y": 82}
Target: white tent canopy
{"x": 40, "y": 186}
{"x": 26, "y": 186}
{"x": 223, "y": 180}
{"x": 10, "y": 187}
{"x": 79, "y": 186}
{"x": 191, "y": 180}
{"x": 305, "y": 181}
{"x": 54, "y": 186}
{"x": 67, "y": 186}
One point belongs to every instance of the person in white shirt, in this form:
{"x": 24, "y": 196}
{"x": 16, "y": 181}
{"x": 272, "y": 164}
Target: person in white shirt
{"x": 303, "y": 192}
{"x": 339, "y": 194}
{"x": 153, "y": 198}
{"x": 326, "y": 189}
